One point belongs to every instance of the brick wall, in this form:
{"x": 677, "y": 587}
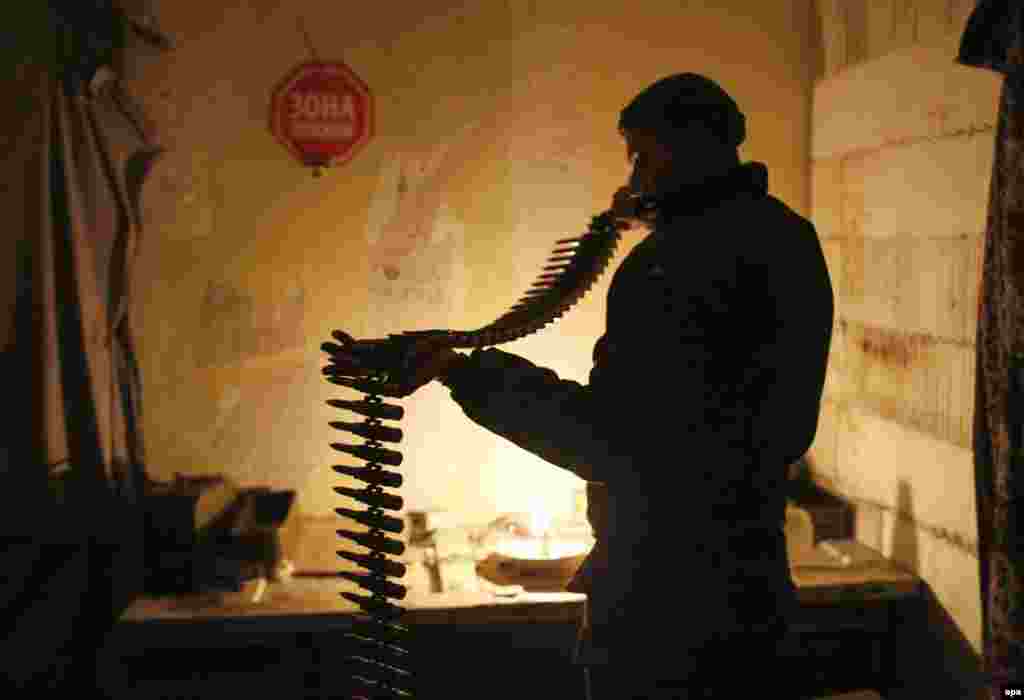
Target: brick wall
{"x": 902, "y": 151}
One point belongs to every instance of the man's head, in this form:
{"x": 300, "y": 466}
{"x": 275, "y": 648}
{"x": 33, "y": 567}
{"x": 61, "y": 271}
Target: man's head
{"x": 681, "y": 130}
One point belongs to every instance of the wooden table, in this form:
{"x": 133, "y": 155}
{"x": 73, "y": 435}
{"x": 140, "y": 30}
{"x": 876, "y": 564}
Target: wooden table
{"x": 871, "y": 597}
{"x": 872, "y": 600}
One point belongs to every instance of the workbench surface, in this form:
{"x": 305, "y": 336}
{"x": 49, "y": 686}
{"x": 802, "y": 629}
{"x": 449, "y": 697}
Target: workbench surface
{"x": 819, "y": 579}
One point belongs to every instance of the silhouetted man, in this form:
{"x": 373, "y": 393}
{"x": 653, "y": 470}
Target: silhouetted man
{"x": 705, "y": 386}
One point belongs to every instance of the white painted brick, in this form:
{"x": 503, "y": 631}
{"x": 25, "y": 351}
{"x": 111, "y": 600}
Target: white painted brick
{"x": 826, "y": 196}
{"x": 907, "y": 257}
{"x": 910, "y": 93}
{"x": 823, "y": 451}
{"x": 877, "y": 455}
{"x": 833, "y": 250}
{"x": 851, "y": 276}
{"x": 836, "y": 383}
{"x": 933, "y": 190}
{"x": 853, "y": 173}
{"x": 923, "y": 383}
{"x": 953, "y": 575}
{"x": 962, "y": 389}
{"x": 917, "y": 285}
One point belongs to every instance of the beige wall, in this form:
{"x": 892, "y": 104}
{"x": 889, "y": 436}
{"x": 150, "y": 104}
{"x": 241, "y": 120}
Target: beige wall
{"x": 498, "y": 119}
{"x": 901, "y": 164}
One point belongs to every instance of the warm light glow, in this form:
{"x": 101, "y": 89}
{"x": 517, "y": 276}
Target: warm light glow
{"x": 521, "y": 483}
{"x": 540, "y": 549}
{"x": 540, "y": 519}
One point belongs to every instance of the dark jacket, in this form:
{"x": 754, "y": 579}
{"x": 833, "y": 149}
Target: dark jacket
{"x": 706, "y": 385}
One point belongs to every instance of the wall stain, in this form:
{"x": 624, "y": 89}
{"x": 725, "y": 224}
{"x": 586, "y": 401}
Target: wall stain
{"x": 915, "y": 379}
{"x": 898, "y": 350}
{"x": 233, "y": 326}
{"x": 968, "y": 132}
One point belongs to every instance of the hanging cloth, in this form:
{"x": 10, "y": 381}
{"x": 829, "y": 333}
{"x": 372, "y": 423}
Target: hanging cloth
{"x": 75, "y": 471}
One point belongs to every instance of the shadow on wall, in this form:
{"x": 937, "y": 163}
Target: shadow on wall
{"x": 904, "y": 544}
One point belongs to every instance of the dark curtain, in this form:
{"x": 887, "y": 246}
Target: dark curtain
{"x": 71, "y": 539}
{"x": 994, "y": 39}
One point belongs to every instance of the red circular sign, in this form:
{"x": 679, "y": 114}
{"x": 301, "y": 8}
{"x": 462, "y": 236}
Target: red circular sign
{"x": 322, "y": 113}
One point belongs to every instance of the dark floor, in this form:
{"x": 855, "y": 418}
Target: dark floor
{"x": 497, "y": 662}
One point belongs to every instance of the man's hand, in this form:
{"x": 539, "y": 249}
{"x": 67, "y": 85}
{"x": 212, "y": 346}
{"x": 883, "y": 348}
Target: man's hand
{"x": 624, "y": 208}
{"x": 424, "y": 361}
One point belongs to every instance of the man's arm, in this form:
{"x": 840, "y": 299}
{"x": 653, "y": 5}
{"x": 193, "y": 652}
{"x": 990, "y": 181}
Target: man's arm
{"x": 532, "y": 407}
{"x": 620, "y": 422}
